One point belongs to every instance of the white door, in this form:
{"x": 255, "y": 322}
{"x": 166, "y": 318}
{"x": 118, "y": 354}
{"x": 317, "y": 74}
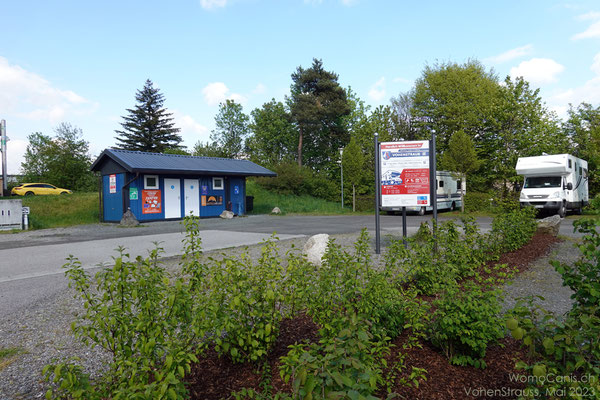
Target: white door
{"x": 192, "y": 197}
{"x": 172, "y": 198}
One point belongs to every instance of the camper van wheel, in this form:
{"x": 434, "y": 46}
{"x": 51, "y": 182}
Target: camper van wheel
{"x": 562, "y": 211}
{"x": 422, "y": 211}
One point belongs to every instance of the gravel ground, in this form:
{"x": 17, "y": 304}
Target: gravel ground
{"x": 42, "y": 332}
{"x": 542, "y": 279}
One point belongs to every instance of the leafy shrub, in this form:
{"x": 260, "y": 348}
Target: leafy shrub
{"x": 245, "y": 297}
{"x": 148, "y": 325}
{"x": 296, "y": 180}
{"x": 583, "y": 277}
{"x": 477, "y": 201}
{"x": 365, "y": 202}
{"x": 513, "y": 229}
{"x": 465, "y": 321}
{"x": 347, "y": 365}
{"x": 568, "y": 348}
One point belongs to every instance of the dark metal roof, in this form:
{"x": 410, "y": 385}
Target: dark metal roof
{"x": 137, "y": 161}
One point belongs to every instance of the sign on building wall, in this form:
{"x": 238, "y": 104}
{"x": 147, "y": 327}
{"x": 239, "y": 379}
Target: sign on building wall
{"x": 133, "y": 193}
{"x": 112, "y": 183}
{"x": 404, "y": 174}
{"x": 151, "y": 202}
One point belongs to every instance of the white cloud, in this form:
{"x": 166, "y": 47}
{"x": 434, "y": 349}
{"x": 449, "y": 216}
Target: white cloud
{"x": 377, "y": 90}
{"x": 217, "y": 92}
{"x": 191, "y": 130}
{"x": 28, "y": 95}
{"x": 211, "y": 4}
{"x": 588, "y": 92}
{"x": 538, "y": 70}
{"x": 15, "y": 154}
{"x": 510, "y": 54}
{"x": 592, "y": 15}
{"x": 259, "y": 89}
{"x": 349, "y": 3}
{"x": 593, "y": 31}
{"x": 401, "y": 80}
{"x": 596, "y": 65}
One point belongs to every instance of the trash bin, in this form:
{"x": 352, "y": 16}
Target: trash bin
{"x": 249, "y": 203}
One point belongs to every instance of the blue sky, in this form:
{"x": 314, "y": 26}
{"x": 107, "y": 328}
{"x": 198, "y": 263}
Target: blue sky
{"x": 81, "y": 62}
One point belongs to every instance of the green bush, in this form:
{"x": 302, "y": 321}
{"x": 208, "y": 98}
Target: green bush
{"x": 293, "y": 179}
{"x": 477, "y": 201}
{"x": 347, "y": 365}
{"x": 465, "y": 321}
{"x": 513, "y": 229}
{"x": 246, "y": 297}
{"x": 146, "y": 321}
{"x": 568, "y": 347}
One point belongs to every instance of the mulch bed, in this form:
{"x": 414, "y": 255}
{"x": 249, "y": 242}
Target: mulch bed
{"x": 214, "y": 378}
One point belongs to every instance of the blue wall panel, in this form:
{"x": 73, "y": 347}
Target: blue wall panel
{"x": 237, "y": 195}
{"x": 113, "y": 202}
{"x": 210, "y": 210}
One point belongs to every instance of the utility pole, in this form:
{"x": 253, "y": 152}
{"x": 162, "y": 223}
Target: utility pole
{"x": 3, "y": 140}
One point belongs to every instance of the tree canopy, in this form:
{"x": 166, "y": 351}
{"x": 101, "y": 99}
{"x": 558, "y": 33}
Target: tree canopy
{"x": 148, "y": 126}
{"x": 318, "y": 105}
{"x": 231, "y": 129}
{"x": 274, "y": 137}
{"x": 62, "y": 160}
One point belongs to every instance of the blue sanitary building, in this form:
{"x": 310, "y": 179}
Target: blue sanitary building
{"x": 168, "y": 186}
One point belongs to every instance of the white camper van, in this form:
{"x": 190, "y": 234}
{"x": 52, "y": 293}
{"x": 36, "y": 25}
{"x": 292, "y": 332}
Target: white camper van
{"x": 554, "y": 183}
{"x": 448, "y": 194}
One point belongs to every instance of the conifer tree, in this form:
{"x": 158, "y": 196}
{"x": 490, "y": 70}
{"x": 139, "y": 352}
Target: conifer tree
{"x": 148, "y": 126}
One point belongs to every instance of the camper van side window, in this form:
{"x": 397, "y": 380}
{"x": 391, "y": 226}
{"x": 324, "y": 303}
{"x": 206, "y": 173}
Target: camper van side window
{"x": 441, "y": 184}
{"x": 569, "y": 163}
{"x": 580, "y": 172}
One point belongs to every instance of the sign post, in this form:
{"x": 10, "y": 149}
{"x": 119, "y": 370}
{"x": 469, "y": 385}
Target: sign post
{"x": 377, "y": 196}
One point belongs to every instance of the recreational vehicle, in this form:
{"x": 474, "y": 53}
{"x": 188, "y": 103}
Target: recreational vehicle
{"x": 555, "y": 183}
{"x": 448, "y": 194}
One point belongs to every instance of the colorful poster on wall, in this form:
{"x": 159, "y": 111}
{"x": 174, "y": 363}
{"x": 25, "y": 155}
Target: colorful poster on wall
{"x": 405, "y": 174}
{"x": 133, "y": 193}
{"x": 151, "y": 202}
{"x": 214, "y": 201}
{"x": 112, "y": 183}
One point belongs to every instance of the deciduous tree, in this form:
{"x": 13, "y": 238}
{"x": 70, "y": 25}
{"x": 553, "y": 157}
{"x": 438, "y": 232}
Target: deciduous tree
{"x": 352, "y": 161}
{"x": 461, "y": 157}
{"x": 62, "y": 160}
{"x": 273, "y": 136}
{"x": 231, "y": 129}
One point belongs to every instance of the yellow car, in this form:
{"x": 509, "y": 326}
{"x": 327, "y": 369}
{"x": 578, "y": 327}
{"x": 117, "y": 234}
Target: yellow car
{"x": 29, "y": 189}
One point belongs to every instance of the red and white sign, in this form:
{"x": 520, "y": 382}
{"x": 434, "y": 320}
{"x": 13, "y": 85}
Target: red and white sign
{"x": 112, "y": 183}
{"x": 405, "y": 174}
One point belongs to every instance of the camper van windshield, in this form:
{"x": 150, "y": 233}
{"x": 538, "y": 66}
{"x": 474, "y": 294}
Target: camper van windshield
{"x": 542, "y": 182}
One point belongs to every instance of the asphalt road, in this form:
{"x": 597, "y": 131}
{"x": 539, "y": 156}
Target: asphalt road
{"x": 30, "y": 262}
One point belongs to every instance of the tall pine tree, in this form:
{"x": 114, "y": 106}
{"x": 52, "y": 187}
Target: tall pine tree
{"x": 318, "y": 105}
{"x": 148, "y": 127}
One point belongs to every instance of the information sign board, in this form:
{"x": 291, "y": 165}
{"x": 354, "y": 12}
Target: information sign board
{"x": 405, "y": 174}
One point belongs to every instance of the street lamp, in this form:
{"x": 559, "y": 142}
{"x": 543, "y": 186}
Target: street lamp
{"x": 342, "y": 173}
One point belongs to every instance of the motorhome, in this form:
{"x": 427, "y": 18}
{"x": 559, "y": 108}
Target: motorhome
{"x": 554, "y": 183}
{"x": 448, "y": 194}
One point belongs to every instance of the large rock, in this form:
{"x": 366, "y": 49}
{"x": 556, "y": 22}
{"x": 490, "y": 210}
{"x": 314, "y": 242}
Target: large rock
{"x": 550, "y": 225}
{"x": 226, "y": 214}
{"x": 276, "y": 210}
{"x": 129, "y": 219}
{"x": 315, "y": 248}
